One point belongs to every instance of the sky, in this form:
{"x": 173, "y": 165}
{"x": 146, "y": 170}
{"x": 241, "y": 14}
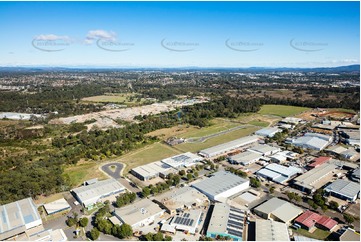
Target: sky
{"x": 180, "y": 34}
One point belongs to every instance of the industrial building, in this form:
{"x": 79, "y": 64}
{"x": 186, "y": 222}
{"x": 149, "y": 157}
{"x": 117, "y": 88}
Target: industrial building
{"x": 150, "y": 171}
{"x": 355, "y": 175}
{"x": 347, "y": 153}
{"x": 91, "y": 194}
{"x": 312, "y": 180}
{"x": 352, "y": 137}
{"x": 226, "y": 147}
{"x": 312, "y": 141}
{"x": 278, "y": 210}
{"x": 265, "y": 150}
{"x": 278, "y": 173}
{"x": 344, "y": 189}
{"x": 183, "y": 160}
{"x": 187, "y": 221}
{"x": 245, "y": 158}
{"x": 57, "y": 235}
{"x": 318, "y": 161}
{"x": 181, "y": 198}
{"x": 226, "y": 221}
{"x": 310, "y": 220}
{"x": 57, "y": 206}
{"x": 278, "y": 158}
{"x": 221, "y": 185}
{"x": 139, "y": 214}
{"x": 268, "y": 230}
{"x": 268, "y": 132}
{"x": 291, "y": 120}
{"x": 350, "y": 235}
{"x": 18, "y": 217}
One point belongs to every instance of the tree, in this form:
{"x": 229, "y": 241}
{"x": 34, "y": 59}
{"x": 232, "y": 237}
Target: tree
{"x": 272, "y": 189}
{"x": 71, "y": 222}
{"x": 148, "y": 237}
{"x": 94, "y": 234}
{"x": 254, "y": 182}
{"x": 168, "y": 238}
{"x": 146, "y": 192}
{"x": 348, "y": 218}
{"x": 126, "y": 231}
{"x": 189, "y": 176}
{"x": 158, "y": 237}
{"x": 182, "y": 172}
{"x": 333, "y": 205}
{"x": 83, "y": 222}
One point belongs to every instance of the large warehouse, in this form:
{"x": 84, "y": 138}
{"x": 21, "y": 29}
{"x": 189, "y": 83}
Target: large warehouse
{"x": 346, "y": 190}
{"x": 278, "y": 173}
{"x": 221, "y": 185}
{"x": 245, "y": 158}
{"x": 150, "y": 171}
{"x": 57, "y": 206}
{"x": 183, "y": 160}
{"x": 91, "y": 194}
{"x": 140, "y": 213}
{"x": 268, "y": 132}
{"x": 268, "y": 230}
{"x": 18, "y": 217}
{"x": 312, "y": 141}
{"x": 278, "y": 210}
{"x": 226, "y": 221}
{"x": 265, "y": 150}
{"x": 226, "y": 147}
{"x": 313, "y": 179}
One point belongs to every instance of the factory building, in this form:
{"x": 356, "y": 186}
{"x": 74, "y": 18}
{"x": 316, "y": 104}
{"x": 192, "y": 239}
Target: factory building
{"x": 57, "y": 206}
{"x": 226, "y": 147}
{"x": 268, "y": 132}
{"x": 183, "y": 160}
{"x": 221, "y": 185}
{"x": 91, "y": 194}
{"x": 268, "y": 230}
{"x": 187, "y": 221}
{"x": 312, "y": 141}
{"x": 245, "y": 158}
{"x": 226, "y": 221}
{"x": 265, "y": 150}
{"x": 278, "y": 173}
{"x": 150, "y": 171}
{"x": 344, "y": 189}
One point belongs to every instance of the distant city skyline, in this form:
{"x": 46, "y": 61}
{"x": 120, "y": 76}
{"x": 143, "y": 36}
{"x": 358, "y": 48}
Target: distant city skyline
{"x": 180, "y": 34}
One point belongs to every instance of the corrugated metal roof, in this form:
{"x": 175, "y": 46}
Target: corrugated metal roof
{"x": 343, "y": 187}
{"x": 267, "y": 230}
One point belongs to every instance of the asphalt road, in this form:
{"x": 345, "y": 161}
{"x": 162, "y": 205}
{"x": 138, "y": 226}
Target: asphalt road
{"x": 116, "y": 173}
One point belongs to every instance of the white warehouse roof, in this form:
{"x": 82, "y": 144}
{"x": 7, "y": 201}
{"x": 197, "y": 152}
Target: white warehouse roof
{"x": 264, "y": 149}
{"x": 268, "y": 132}
{"x": 345, "y": 188}
{"x": 56, "y": 206}
{"x": 92, "y": 193}
{"x": 219, "y": 183}
{"x": 245, "y": 158}
{"x": 183, "y": 160}
{"x": 152, "y": 169}
{"x": 313, "y": 141}
{"x": 279, "y": 173}
{"x": 225, "y": 147}
{"x": 268, "y": 230}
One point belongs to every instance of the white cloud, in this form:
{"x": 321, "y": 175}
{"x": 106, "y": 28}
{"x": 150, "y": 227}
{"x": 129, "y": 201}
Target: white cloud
{"x": 99, "y": 34}
{"x": 51, "y": 37}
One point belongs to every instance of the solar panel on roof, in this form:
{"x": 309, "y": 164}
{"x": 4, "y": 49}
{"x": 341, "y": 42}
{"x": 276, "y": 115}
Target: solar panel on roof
{"x": 177, "y": 220}
{"x": 191, "y": 223}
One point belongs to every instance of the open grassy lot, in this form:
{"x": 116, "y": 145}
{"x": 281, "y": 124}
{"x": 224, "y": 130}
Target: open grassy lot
{"x": 50, "y": 198}
{"x": 83, "y": 171}
{"x": 193, "y": 147}
{"x": 281, "y": 110}
{"x": 147, "y": 154}
{"x": 126, "y": 98}
{"x": 317, "y": 234}
{"x": 259, "y": 123}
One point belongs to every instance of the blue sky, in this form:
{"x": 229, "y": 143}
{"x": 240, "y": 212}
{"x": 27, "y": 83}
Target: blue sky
{"x": 179, "y": 34}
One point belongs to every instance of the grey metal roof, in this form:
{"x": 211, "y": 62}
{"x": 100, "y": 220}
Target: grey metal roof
{"x": 246, "y": 157}
{"x": 151, "y": 169}
{"x": 344, "y": 187}
{"x": 219, "y": 182}
{"x": 267, "y": 230}
{"x": 264, "y": 148}
{"x": 182, "y": 160}
{"x": 97, "y": 190}
{"x": 16, "y": 215}
{"x": 234, "y": 144}
{"x": 268, "y": 131}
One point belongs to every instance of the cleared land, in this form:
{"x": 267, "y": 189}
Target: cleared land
{"x": 147, "y": 154}
{"x": 194, "y": 147}
{"x": 83, "y": 171}
{"x": 281, "y": 110}
{"x": 259, "y": 123}
{"x": 124, "y": 98}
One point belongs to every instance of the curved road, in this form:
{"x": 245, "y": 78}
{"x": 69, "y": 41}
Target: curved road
{"x": 115, "y": 174}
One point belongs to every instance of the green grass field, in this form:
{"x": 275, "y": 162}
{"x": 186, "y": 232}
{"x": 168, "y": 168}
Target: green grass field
{"x": 218, "y": 125}
{"x": 194, "y": 147}
{"x": 259, "y": 123}
{"x": 147, "y": 154}
{"x": 281, "y": 110}
{"x": 317, "y": 234}
{"x": 82, "y": 172}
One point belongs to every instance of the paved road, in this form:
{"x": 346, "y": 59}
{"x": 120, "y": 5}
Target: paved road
{"x": 116, "y": 173}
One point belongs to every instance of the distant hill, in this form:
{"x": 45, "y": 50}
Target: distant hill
{"x": 339, "y": 69}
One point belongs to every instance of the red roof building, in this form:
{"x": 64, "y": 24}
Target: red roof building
{"x": 319, "y": 161}
{"x": 309, "y": 220}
